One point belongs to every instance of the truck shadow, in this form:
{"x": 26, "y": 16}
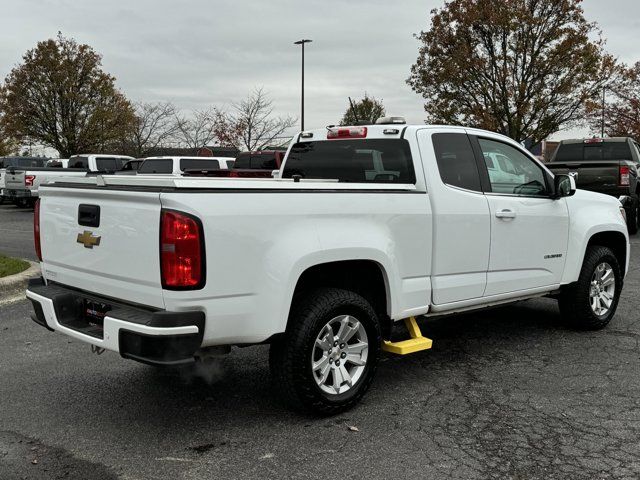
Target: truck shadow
{"x": 239, "y": 384}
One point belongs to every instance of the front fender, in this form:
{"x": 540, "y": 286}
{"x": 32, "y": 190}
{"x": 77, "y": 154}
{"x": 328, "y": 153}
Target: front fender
{"x": 590, "y": 213}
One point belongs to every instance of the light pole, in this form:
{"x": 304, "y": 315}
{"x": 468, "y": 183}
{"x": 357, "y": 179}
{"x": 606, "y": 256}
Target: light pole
{"x": 604, "y": 89}
{"x": 301, "y": 43}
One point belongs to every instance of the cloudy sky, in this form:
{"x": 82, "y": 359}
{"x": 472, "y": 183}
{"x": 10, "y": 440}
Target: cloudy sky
{"x": 197, "y": 53}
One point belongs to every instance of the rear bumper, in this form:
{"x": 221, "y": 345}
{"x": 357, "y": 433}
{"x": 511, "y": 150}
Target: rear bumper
{"x": 18, "y": 193}
{"x": 155, "y": 337}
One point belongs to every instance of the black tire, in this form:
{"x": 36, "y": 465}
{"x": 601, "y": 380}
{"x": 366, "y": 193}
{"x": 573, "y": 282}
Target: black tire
{"x": 632, "y": 215}
{"x": 574, "y": 300}
{"x": 290, "y": 356}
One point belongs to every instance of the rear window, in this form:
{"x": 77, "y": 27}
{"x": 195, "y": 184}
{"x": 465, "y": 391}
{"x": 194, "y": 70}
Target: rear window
{"x": 164, "y": 165}
{"x": 568, "y": 152}
{"x": 204, "y": 164}
{"x": 79, "y": 162}
{"x": 256, "y": 162}
{"x": 357, "y": 161}
{"x": 109, "y": 164}
{"x": 22, "y": 162}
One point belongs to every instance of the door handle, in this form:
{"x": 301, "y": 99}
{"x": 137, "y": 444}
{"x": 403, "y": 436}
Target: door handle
{"x": 505, "y": 213}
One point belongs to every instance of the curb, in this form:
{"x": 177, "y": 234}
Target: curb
{"x": 12, "y": 288}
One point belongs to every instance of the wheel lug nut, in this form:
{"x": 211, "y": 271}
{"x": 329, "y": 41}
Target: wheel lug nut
{"x": 342, "y": 345}
{"x": 331, "y": 360}
{"x": 335, "y": 344}
{"x": 342, "y": 355}
{"x": 337, "y": 363}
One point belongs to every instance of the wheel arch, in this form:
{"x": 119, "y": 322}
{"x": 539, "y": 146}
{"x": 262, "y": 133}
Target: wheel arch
{"x": 614, "y": 237}
{"x": 366, "y": 277}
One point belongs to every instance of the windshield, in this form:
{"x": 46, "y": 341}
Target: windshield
{"x": 358, "y": 161}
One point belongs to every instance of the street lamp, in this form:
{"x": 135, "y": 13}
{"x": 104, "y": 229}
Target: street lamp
{"x": 301, "y": 43}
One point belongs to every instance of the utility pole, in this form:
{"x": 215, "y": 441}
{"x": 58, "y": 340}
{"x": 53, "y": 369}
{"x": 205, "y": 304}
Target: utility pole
{"x": 301, "y": 43}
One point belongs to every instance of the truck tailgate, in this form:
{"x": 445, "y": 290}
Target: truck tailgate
{"x": 14, "y": 179}
{"x": 118, "y": 258}
{"x": 591, "y": 175}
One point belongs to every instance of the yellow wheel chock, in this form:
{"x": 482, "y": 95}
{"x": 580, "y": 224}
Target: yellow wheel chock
{"x": 415, "y": 344}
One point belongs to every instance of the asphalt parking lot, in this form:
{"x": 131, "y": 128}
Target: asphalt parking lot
{"x": 505, "y": 393}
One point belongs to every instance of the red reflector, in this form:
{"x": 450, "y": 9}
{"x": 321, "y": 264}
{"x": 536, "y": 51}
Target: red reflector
{"x": 28, "y": 180}
{"x": 624, "y": 175}
{"x": 36, "y": 229}
{"x": 594, "y": 140}
{"x": 347, "y": 132}
{"x": 181, "y": 251}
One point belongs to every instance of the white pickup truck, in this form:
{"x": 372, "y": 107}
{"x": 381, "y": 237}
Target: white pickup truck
{"x": 368, "y": 227}
{"x": 23, "y": 184}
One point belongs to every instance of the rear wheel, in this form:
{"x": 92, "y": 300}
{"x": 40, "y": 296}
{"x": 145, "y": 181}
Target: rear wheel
{"x": 327, "y": 358}
{"x": 591, "y": 302}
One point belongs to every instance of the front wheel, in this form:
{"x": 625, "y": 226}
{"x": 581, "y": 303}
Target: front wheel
{"x": 591, "y": 302}
{"x": 327, "y": 358}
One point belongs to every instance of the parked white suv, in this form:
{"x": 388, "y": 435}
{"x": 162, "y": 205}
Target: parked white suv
{"x": 178, "y": 165}
{"x": 367, "y": 228}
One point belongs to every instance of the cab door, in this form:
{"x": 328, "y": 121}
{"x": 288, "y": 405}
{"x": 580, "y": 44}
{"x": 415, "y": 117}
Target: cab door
{"x": 461, "y": 228}
{"x": 529, "y": 230}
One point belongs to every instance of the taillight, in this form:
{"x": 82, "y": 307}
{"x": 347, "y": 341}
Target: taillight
{"x": 346, "y": 132}
{"x": 36, "y": 229}
{"x": 28, "y": 180}
{"x": 181, "y": 251}
{"x": 624, "y": 175}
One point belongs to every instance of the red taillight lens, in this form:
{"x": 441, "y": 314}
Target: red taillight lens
{"x": 181, "y": 251}
{"x": 28, "y": 180}
{"x": 347, "y": 132}
{"x": 624, "y": 176}
{"x": 36, "y": 229}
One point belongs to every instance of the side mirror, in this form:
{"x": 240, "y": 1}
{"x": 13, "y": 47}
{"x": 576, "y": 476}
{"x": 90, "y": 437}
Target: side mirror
{"x": 275, "y": 173}
{"x": 564, "y": 186}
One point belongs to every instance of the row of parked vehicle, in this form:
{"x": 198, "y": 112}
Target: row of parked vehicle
{"x": 21, "y": 177}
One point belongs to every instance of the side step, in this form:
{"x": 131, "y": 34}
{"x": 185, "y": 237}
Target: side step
{"x": 416, "y": 343}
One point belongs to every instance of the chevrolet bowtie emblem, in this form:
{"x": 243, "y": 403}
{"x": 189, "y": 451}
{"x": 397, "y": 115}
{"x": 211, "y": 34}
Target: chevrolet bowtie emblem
{"x": 88, "y": 240}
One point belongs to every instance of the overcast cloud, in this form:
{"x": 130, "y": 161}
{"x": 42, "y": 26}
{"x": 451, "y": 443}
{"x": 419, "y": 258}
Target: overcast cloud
{"x": 199, "y": 53}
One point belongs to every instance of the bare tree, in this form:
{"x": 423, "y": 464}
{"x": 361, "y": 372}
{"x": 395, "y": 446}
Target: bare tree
{"x": 155, "y": 125}
{"x": 197, "y": 130}
{"x": 620, "y": 114}
{"x": 251, "y": 124}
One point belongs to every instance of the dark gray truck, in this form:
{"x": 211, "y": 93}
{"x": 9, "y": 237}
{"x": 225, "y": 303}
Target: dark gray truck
{"x": 603, "y": 165}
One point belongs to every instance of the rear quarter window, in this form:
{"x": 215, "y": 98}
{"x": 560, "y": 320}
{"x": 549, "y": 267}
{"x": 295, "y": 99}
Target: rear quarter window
{"x": 256, "y": 162}
{"x": 164, "y": 165}
{"x": 457, "y": 162}
{"x": 355, "y": 161}
{"x": 79, "y": 162}
{"x": 204, "y": 164}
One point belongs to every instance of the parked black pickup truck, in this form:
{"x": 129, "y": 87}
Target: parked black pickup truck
{"x": 604, "y": 165}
